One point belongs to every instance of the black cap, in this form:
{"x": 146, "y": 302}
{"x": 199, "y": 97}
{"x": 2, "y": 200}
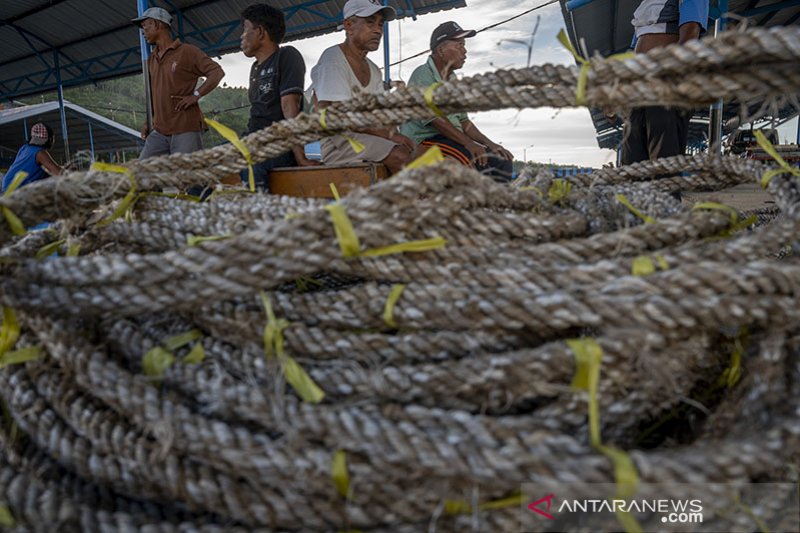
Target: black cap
{"x": 447, "y": 31}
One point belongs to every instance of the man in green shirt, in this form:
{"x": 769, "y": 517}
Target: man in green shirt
{"x": 456, "y": 135}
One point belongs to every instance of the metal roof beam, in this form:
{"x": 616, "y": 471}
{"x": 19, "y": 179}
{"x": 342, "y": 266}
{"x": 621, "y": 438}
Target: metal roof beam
{"x": 769, "y": 9}
{"x": 35, "y": 10}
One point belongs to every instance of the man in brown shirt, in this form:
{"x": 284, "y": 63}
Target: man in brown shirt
{"x": 175, "y": 68}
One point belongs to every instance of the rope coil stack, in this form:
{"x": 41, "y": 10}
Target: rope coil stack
{"x": 446, "y": 377}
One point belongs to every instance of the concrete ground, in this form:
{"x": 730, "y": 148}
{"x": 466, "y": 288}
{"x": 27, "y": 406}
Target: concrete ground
{"x": 743, "y": 197}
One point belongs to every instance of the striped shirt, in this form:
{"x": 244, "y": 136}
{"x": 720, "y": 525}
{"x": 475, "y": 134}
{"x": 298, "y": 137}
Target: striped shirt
{"x": 667, "y": 16}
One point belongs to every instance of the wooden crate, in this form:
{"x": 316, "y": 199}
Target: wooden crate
{"x": 315, "y": 181}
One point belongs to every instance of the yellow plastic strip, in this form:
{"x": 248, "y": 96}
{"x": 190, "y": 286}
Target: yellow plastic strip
{"x": 388, "y": 310}
{"x": 174, "y": 196}
{"x": 230, "y": 135}
{"x": 736, "y": 224}
{"x": 196, "y": 356}
{"x": 351, "y": 247}
{"x": 764, "y": 143}
{"x": 339, "y": 473}
{"x": 49, "y": 249}
{"x": 511, "y": 501}
{"x": 354, "y": 144}
{"x": 6, "y": 518}
{"x": 559, "y": 189}
{"x": 431, "y": 156}
{"x": 534, "y": 189}
{"x": 156, "y": 361}
{"x": 564, "y": 40}
{"x": 127, "y": 200}
{"x": 731, "y": 375}
{"x": 428, "y": 97}
{"x": 732, "y": 213}
{"x": 762, "y": 526}
{"x": 348, "y": 240}
{"x": 452, "y": 507}
{"x": 16, "y": 225}
{"x": 194, "y": 240}
{"x": 583, "y": 75}
{"x": 300, "y": 381}
{"x": 335, "y": 192}
{"x": 178, "y": 341}
{"x": 588, "y": 357}
{"x": 23, "y": 355}
{"x": 19, "y": 177}
{"x": 9, "y": 331}
{"x": 410, "y": 246}
{"x": 624, "y": 201}
{"x": 644, "y": 265}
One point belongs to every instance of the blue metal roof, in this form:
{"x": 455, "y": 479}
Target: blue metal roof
{"x": 89, "y": 131}
{"x": 92, "y": 40}
{"x": 604, "y": 27}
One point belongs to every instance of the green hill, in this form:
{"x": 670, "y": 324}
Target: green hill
{"x": 122, "y": 100}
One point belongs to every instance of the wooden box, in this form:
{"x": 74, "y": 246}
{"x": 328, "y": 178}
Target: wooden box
{"x": 315, "y": 181}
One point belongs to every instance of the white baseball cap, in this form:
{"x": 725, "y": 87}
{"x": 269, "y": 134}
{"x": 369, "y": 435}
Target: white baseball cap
{"x": 366, "y": 8}
{"x": 155, "y": 13}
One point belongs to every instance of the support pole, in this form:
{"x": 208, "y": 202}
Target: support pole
{"x": 715, "y": 111}
{"x": 145, "y": 48}
{"x": 64, "y": 132}
{"x": 387, "y": 78}
{"x": 91, "y": 138}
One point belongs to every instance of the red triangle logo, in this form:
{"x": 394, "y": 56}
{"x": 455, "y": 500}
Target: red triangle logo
{"x": 535, "y": 506}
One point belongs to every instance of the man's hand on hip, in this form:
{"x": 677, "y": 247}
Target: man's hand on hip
{"x": 185, "y": 102}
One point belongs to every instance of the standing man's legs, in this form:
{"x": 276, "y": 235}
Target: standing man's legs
{"x": 155, "y": 145}
{"x": 186, "y": 143}
{"x": 634, "y": 138}
{"x": 667, "y": 131}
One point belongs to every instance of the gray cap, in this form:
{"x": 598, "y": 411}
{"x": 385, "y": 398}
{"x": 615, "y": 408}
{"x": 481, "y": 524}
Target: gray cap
{"x": 155, "y": 13}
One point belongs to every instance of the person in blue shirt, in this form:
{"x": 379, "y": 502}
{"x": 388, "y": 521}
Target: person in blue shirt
{"x": 33, "y": 158}
{"x": 657, "y": 131}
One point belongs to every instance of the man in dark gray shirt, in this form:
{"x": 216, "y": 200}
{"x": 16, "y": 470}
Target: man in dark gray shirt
{"x": 276, "y": 82}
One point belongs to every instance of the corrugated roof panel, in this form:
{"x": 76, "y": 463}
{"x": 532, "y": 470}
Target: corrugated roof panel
{"x": 97, "y": 41}
{"x": 105, "y": 133}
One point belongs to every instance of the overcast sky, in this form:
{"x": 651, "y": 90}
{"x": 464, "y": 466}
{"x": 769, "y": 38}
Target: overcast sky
{"x": 564, "y": 136}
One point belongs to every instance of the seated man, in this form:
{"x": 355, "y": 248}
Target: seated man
{"x": 276, "y": 82}
{"x": 456, "y": 135}
{"x": 344, "y": 70}
{"x": 33, "y": 158}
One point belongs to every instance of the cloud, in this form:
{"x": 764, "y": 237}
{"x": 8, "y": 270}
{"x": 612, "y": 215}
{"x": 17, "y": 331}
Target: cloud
{"x": 565, "y": 137}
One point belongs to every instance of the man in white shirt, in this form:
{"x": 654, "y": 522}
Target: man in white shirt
{"x": 342, "y": 72}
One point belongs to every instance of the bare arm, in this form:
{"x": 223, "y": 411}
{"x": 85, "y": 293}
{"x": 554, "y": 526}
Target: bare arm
{"x": 212, "y": 80}
{"x": 476, "y": 134}
{"x": 446, "y": 128}
{"x": 290, "y": 105}
{"x": 688, "y": 32}
{"x": 387, "y": 133}
{"x": 44, "y": 160}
